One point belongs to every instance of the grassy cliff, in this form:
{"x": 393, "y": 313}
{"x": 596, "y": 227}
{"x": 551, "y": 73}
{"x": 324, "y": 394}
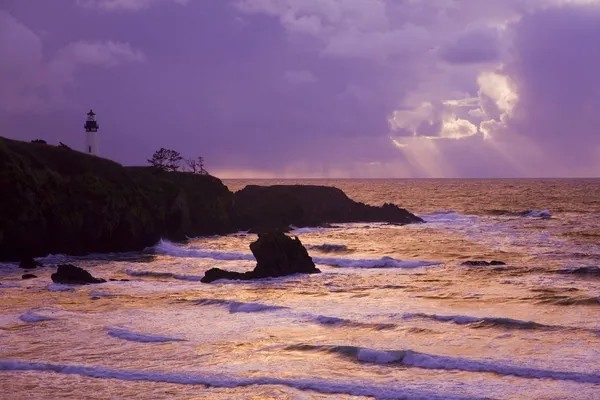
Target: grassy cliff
{"x": 57, "y": 200}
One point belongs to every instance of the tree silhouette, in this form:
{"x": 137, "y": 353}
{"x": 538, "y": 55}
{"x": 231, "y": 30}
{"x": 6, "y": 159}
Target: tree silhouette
{"x": 196, "y": 165}
{"x": 166, "y": 160}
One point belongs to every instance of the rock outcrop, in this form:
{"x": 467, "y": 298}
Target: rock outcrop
{"x": 72, "y": 275}
{"x": 263, "y": 208}
{"x": 482, "y": 263}
{"x": 29, "y": 263}
{"x": 276, "y": 255}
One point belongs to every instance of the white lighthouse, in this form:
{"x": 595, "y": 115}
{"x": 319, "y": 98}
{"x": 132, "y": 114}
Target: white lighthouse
{"x": 91, "y": 134}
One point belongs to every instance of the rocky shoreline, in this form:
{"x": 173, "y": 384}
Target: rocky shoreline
{"x": 60, "y": 201}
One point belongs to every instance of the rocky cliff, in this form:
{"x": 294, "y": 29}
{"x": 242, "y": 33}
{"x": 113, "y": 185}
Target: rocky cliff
{"x": 54, "y": 200}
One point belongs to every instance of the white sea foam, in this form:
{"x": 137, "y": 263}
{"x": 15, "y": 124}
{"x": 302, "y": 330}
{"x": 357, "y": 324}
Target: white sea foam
{"x": 98, "y": 293}
{"x": 384, "y": 262}
{"x": 168, "y": 248}
{"x": 140, "y": 337}
{"x": 32, "y": 317}
{"x": 217, "y": 380}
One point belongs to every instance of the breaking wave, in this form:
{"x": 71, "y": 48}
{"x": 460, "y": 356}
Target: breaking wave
{"x": 140, "y": 337}
{"x": 335, "y": 321}
{"x": 429, "y": 361}
{"x": 153, "y": 274}
{"x": 486, "y": 322}
{"x": 170, "y": 249}
{"x": 216, "y": 380}
{"x": 384, "y": 262}
{"x": 237, "y": 306}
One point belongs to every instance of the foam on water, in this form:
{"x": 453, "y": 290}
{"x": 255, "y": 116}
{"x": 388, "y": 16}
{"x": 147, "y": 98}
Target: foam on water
{"x": 168, "y": 248}
{"x": 140, "y": 337}
{"x": 9, "y": 285}
{"x": 32, "y": 317}
{"x": 219, "y": 380}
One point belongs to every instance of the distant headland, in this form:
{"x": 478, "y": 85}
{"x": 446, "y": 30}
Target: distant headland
{"x": 56, "y": 200}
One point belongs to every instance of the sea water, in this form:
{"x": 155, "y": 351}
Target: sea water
{"x": 393, "y": 314}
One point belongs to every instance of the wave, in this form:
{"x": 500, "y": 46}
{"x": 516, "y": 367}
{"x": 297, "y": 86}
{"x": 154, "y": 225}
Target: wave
{"x": 166, "y": 247}
{"x": 59, "y": 287}
{"x": 544, "y": 214}
{"x": 98, "y": 294}
{"x": 485, "y": 322}
{"x": 564, "y": 300}
{"x": 140, "y": 337}
{"x": 170, "y": 249}
{"x": 9, "y": 285}
{"x": 32, "y": 317}
{"x": 429, "y": 361}
{"x": 215, "y": 380}
{"x": 330, "y": 248}
{"x": 154, "y": 274}
{"x": 384, "y": 262}
{"x": 335, "y": 321}
{"x": 237, "y": 306}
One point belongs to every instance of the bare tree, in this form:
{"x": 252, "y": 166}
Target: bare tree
{"x": 196, "y": 165}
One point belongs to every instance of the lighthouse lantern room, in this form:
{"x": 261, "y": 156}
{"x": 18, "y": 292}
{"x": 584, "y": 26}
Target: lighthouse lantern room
{"x": 91, "y": 131}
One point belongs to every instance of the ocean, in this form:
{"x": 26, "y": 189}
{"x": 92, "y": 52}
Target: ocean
{"x": 393, "y": 315}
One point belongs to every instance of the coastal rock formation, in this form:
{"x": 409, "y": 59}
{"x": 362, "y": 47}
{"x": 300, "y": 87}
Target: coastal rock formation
{"x": 482, "y": 263}
{"x": 276, "y": 255}
{"x": 28, "y": 276}
{"x": 264, "y": 208}
{"x": 29, "y": 263}
{"x": 70, "y": 274}
{"x": 65, "y": 202}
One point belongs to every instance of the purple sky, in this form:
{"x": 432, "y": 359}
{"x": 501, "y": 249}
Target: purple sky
{"x": 313, "y": 88}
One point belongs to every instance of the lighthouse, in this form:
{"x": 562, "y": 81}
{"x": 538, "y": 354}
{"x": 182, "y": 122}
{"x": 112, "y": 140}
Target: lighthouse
{"x": 91, "y": 131}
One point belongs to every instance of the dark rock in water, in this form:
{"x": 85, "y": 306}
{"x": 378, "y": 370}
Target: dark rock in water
{"x": 482, "y": 263}
{"x": 28, "y": 276}
{"x": 70, "y": 274}
{"x": 593, "y": 271}
{"x": 276, "y": 254}
{"x": 330, "y": 248}
{"x": 263, "y": 208}
{"x": 29, "y": 263}
{"x": 118, "y": 280}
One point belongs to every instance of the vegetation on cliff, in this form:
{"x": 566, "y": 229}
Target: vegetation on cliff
{"x": 56, "y": 200}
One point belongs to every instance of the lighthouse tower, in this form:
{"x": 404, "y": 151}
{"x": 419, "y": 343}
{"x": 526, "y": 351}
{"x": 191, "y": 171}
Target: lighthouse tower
{"x": 91, "y": 132}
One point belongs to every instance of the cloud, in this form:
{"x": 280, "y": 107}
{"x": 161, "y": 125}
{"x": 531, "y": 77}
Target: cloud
{"x": 480, "y": 45}
{"x": 299, "y": 77}
{"x": 130, "y": 5}
{"x": 555, "y": 78}
{"x": 33, "y": 84}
